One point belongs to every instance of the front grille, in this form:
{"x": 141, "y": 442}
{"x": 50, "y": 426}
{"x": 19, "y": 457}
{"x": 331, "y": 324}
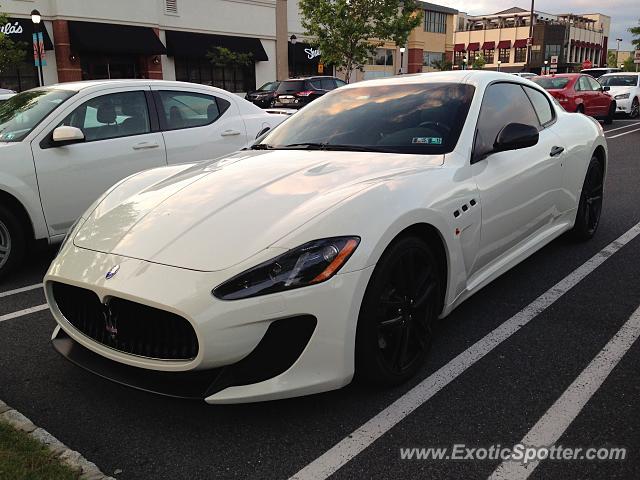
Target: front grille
{"x": 130, "y": 327}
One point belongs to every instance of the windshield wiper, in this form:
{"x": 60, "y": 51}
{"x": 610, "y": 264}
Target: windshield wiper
{"x": 262, "y": 146}
{"x": 335, "y": 147}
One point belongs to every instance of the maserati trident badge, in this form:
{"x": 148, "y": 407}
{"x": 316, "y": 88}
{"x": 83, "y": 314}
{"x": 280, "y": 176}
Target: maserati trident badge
{"x": 112, "y": 272}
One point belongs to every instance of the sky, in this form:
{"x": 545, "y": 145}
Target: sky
{"x": 623, "y": 13}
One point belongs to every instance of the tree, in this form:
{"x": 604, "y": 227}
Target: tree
{"x": 612, "y": 60}
{"x": 223, "y": 57}
{"x": 478, "y": 62}
{"x": 628, "y": 65}
{"x": 11, "y": 53}
{"x": 347, "y": 32}
{"x": 635, "y": 31}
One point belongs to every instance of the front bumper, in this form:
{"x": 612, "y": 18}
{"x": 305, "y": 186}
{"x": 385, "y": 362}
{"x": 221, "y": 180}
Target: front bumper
{"x": 228, "y": 332}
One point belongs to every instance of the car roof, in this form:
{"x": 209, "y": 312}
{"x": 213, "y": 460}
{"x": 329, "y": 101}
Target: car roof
{"x": 599, "y": 68}
{"x": 86, "y": 84}
{"x": 620, "y": 73}
{"x": 308, "y": 78}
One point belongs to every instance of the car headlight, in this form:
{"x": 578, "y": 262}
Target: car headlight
{"x": 311, "y": 263}
{"x": 622, "y": 96}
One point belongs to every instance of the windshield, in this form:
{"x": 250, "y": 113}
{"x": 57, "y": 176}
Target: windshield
{"x": 268, "y": 87}
{"x": 21, "y": 113}
{"x": 551, "y": 83}
{"x": 619, "y": 81}
{"x": 598, "y": 72}
{"x": 418, "y": 118}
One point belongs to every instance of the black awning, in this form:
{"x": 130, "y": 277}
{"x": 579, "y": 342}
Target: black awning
{"x": 114, "y": 39}
{"x": 197, "y": 45}
{"x": 21, "y": 30}
{"x": 304, "y": 53}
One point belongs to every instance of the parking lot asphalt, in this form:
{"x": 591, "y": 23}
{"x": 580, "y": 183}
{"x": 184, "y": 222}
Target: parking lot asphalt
{"x": 496, "y": 400}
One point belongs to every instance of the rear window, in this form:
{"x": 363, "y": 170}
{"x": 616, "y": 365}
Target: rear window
{"x": 619, "y": 81}
{"x": 417, "y": 118}
{"x": 551, "y": 83}
{"x": 291, "y": 86}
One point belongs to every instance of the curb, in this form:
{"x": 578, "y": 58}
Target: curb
{"x": 71, "y": 458}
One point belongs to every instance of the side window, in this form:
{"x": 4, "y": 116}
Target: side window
{"x": 503, "y": 103}
{"x": 583, "y": 84}
{"x": 314, "y": 84}
{"x": 340, "y": 83}
{"x": 189, "y": 109}
{"x": 111, "y": 116}
{"x": 593, "y": 83}
{"x": 328, "y": 84}
{"x": 540, "y": 104}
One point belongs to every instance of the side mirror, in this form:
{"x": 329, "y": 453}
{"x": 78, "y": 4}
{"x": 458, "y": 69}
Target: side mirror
{"x": 606, "y": 89}
{"x": 65, "y": 135}
{"x": 514, "y": 136}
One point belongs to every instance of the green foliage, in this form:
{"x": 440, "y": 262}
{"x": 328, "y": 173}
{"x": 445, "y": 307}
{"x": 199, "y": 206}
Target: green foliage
{"x": 611, "y": 59}
{"x": 347, "y": 32}
{"x": 223, "y": 57}
{"x": 478, "y": 62}
{"x": 629, "y": 66}
{"x": 11, "y": 53}
{"x": 635, "y": 31}
{"x": 442, "y": 64}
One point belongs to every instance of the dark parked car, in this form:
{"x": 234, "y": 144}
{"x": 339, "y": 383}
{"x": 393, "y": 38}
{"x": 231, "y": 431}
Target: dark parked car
{"x": 264, "y": 96}
{"x": 298, "y": 92}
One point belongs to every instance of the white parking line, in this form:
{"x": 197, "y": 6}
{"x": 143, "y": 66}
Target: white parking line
{"x": 624, "y": 133}
{"x": 360, "y": 439}
{"x": 620, "y": 128}
{"x": 21, "y": 313}
{"x": 20, "y": 290}
{"x": 564, "y": 411}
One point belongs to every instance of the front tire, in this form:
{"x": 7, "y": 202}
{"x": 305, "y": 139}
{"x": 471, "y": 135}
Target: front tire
{"x": 590, "y": 205}
{"x": 635, "y": 108}
{"x": 12, "y": 241}
{"x": 398, "y": 314}
{"x": 608, "y": 120}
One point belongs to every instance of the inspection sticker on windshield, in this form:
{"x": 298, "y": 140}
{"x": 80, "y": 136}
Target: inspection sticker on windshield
{"x": 427, "y": 140}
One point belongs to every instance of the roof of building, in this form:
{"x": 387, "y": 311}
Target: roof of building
{"x": 437, "y": 8}
{"x": 511, "y": 10}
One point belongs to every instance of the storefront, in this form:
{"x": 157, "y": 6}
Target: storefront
{"x": 190, "y": 52}
{"x": 305, "y": 60}
{"x": 25, "y": 75}
{"x": 105, "y": 51}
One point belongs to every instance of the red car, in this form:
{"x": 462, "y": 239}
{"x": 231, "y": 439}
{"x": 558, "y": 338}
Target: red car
{"x": 580, "y": 93}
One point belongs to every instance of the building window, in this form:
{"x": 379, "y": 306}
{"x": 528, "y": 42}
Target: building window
{"x": 550, "y": 50}
{"x": 503, "y": 55}
{"x": 435, "y": 22}
{"x": 521, "y": 54}
{"x": 232, "y": 79}
{"x": 458, "y": 57}
{"x": 488, "y": 55}
{"x": 382, "y": 56}
{"x": 429, "y": 57}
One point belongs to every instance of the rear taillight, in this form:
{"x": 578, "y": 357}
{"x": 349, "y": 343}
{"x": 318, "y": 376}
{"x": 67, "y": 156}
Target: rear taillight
{"x": 305, "y": 93}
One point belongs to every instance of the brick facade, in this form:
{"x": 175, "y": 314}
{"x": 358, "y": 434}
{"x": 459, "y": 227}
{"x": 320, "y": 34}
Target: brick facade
{"x": 415, "y": 60}
{"x": 68, "y": 65}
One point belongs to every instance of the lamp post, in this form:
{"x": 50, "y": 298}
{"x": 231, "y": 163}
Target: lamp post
{"x": 618, "y": 50}
{"x": 402, "y": 50}
{"x": 546, "y": 71}
{"x": 499, "y": 63}
{"x": 36, "y": 19}
{"x": 293, "y": 40}
{"x": 464, "y": 63}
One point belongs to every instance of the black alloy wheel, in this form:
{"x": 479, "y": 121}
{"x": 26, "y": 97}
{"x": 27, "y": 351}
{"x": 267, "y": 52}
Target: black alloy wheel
{"x": 590, "y": 206}
{"x": 398, "y": 314}
{"x": 635, "y": 108}
{"x": 608, "y": 120}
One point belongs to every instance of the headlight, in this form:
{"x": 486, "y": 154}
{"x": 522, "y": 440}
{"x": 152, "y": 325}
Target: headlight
{"x": 314, "y": 262}
{"x": 622, "y": 96}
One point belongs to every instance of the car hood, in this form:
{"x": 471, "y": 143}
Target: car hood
{"x": 618, "y": 90}
{"x": 212, "y": 216}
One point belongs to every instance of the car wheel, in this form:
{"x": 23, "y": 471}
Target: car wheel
{"x": 590, "y": 206}
{"x": 12, "y": 241}
{"x": 398, "y": 314}
{"x": 580, "y": 109}
{"x": 608, "y": 120}
{"x": 635, "y": 108}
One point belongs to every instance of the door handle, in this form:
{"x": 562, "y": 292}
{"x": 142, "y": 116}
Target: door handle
{"x": 555, "y": 151}
{"x": 230, "y": 133}
{"x": 145, "y": 145}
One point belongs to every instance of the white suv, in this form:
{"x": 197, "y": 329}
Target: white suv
{"x": 62, "y": 146}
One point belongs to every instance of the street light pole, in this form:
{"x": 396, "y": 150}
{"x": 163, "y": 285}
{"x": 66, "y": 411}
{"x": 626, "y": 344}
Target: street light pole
{"x": 618, "y": 50}
{"x": 464, "y": 63}
{"x": 499, "y": 63}
{"x": 402, "y": 49}
{"x": 36, "y": 19}
{"x": 294, "y": 40}
{"x": 530, "y": 39}
{"x": 546, "y": 71}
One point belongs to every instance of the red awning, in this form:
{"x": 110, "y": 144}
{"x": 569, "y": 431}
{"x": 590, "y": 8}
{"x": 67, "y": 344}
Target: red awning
{"x": 598, "y": 47}
{"x": 473, "y": 47}
{"x": 488, "y": 45}
{"x": 504, "y": 44}
{"x": 522, "y": 43}
{"x": 459, "y": 47}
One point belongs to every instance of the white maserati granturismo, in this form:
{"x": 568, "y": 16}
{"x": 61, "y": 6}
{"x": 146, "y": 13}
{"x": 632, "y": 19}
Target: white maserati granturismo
{"x": 330, "y": 247}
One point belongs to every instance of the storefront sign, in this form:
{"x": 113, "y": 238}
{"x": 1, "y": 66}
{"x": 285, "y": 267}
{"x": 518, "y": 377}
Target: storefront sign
{"x": 38, "y": 50}
{"x": 11, "y": 29}
{"x": 312, "y": 53}
{"x": 636, "y": 58}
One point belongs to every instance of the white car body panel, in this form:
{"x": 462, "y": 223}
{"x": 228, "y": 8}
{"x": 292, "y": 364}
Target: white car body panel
{"x": 64, "y": 180}
{"x": 177, "y": 233}
{"x": 624, "y": 104}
